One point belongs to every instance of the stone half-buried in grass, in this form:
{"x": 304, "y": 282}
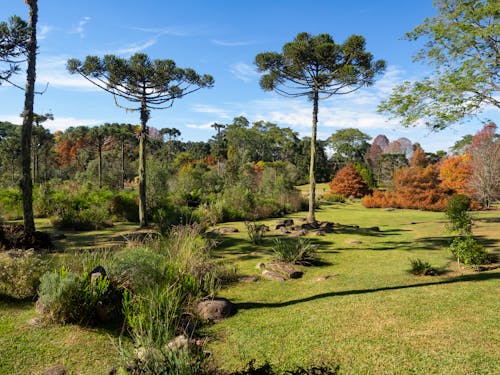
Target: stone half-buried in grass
{"x": 215, "y": 310}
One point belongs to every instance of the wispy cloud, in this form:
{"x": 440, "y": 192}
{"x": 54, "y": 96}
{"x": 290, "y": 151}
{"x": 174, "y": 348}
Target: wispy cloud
{"x": 52, "y": 70}
{"x": 205, "y": 126}
{"x": 203, "y": 108}
{"x": 168, "y": 30}
{"x": 135, "y": 47}
{"x": 243, "y": 71}
{"x": 80, "y": 28}
{"x": 43, "y": 31}
{"x": 226, "y": 43}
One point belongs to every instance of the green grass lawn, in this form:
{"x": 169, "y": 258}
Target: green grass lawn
{"x": 372, "y": 317}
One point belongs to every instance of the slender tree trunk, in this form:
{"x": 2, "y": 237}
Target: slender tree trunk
{"x": 26, "y": 182}
{"x": 99, "y": 153}
{"x": 311, "y": 218}
{"x": 123, "y": 165}
{"x": 143, "y": 220}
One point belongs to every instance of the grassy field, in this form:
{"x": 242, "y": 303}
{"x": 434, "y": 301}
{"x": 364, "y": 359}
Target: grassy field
{"x": 371, "y": 316}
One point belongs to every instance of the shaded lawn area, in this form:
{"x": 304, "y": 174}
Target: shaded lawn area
{"x": 372, "y": 317}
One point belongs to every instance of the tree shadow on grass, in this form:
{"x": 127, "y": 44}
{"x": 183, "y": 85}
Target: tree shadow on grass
{"x": 464, "y": 278}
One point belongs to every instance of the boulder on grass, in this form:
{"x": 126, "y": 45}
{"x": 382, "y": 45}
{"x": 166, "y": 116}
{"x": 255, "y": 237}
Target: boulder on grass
{"x": 225, "y": 230}
{"x": 273, "y": 275}
{"x": 55, "y": 370}
{"x": 215, "y": 310}
{"x": 284, "y": 223}
{"x": 285, "y": 269}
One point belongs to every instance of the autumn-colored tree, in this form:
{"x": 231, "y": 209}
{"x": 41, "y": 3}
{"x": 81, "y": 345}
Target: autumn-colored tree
{"x": 349, "y": 183}
{"x": 418, "y": 159}
{"x": 418, "y": 187}
{"x": 455, "y": 174}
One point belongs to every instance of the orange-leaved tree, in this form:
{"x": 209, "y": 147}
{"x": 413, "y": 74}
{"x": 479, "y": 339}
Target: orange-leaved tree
{"x": 349, "y": 183}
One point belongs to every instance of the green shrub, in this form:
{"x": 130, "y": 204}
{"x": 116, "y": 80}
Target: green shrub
{"x": 457, "y": 211}
{"x": 294, "y": 250}
{"x": 92, "y": 218}
{"x": 124, "y": 207}
{"x": 71, "y": 298}
{"x": 255, "y": 232}
{"x": 469, "y": 251}
{"x": 334, "y": 198}
{"x": 10, "y": 203}
{"x": 20, "y": 274}
{"x": 421, "y": 267}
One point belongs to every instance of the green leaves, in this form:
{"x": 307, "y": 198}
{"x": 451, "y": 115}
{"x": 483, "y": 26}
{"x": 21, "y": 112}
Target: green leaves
{"x": 311, "y": 64}
{"x": 462, "y": 44}
{"x": 139, "y": 79}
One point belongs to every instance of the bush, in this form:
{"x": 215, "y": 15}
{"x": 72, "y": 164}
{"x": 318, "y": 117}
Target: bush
{"x": 20, "y": 275}
{"x": 334, "y": 198}
{"x": 71, "y": 298}
{"x": 457, "y": 211}
{"x": 92, "y": 218}
{"x": 255, "y": 232}
{"x": 421, "y": 268}
{"x": 10, "y": 203}
{"x": 124, "y": 207}
{"x": 469, "y": 251}
{"x": 294, "y": 250}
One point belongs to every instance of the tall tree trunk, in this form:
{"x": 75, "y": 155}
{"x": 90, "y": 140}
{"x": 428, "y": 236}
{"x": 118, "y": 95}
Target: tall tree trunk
{"x": 26, "y": 182}
{"x": 143, "y": 220}
{"x": 99, "y": 152}
{"x": 123, "y": 165}
{"x": 311, "y": 218}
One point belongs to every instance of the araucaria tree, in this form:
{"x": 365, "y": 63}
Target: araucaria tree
{"x": 147, "y": 85}
{"x": 462, "y": 45}
{"x": 317, "y": 68}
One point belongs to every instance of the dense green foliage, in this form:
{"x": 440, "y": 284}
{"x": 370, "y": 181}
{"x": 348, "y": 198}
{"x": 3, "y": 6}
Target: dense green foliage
{"x": 461, "y": 44}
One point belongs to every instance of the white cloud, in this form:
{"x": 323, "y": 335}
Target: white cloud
{"x": 205, "y": 126}
{"x": 225, "y": 43}
{"x": 52, "y": 70}
{"x": 203, "y": 108}
{"x": 80, "y": 28}
{"x": 172, "y": 30}
{"x": 44, "y": 31}
{"x": 59, "y": 123}
{"x": 243, "y": 71}
{"x": 135, "y": 47}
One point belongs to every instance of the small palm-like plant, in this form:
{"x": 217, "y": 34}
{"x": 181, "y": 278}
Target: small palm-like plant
{"x": 298, "y": 251}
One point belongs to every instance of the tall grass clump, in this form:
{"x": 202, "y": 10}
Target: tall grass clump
{"x": 255, "y": 232}
{"x": 294, "y": 250}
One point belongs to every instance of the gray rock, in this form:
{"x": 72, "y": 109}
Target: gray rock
{"x": 320, "y": 233}
{"x": 284, "y": 230}
{"x": 260, "y": 265}
{"x": 284, "y": 223}
{"x": 273, "y": 275}
{"x": 285, "y": 269}
{"x": 299, "y": 233}
{"x": 55, "y": 370}
{"x": 248, "y": 279}
{"x": 215, "y": 310}
{"x": 179, "y": 343}
{"x": 224, "y": 230}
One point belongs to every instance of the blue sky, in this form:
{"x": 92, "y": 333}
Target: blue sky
{"x": 221, "y": 38}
